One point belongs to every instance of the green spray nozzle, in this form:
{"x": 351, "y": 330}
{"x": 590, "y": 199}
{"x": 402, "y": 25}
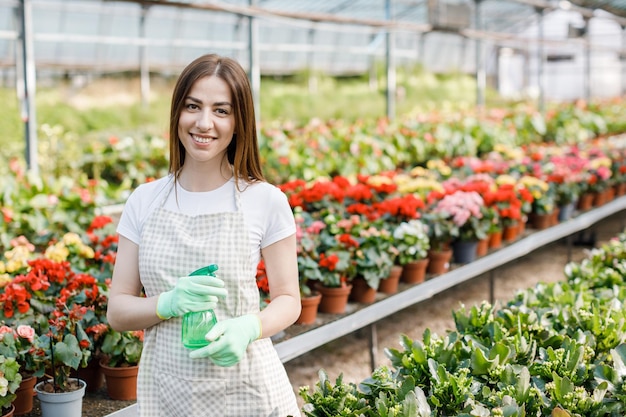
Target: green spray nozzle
{"x": 205, "y": 270}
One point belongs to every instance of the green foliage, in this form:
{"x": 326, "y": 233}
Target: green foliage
{"x": 554, "y": 350}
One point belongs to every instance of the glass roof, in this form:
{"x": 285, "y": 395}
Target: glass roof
{"x": 106, "y": 35}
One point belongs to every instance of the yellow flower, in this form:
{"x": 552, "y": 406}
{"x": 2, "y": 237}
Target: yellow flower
{"x": 378, "y": 180}
{"x": 505, "y": 179}
{"x": 5, "y": 279}
{"x": 57, "y": 252}
{"x": 86, "y": 252}
{"x": 71, "y": 239}
{"x": 15, "y": 265}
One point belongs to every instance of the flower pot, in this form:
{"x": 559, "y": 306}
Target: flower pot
{"x": 554, "y": 216}
{"x": 439, "y": 261}
{"x": 389, "y": 285}
{"x": 585, "y": 201}
{"x": 9, "y": 413}
{"x": 566, "y": 211}
{"x": 483, "y": 247}
{"x": 334, "y": 299}
{"x": 121, "y": 381}
{"x": 495, "y": 239}
{"x": 91, "y": 374}
{"x": 60, "y": 404}
{"x": 310, "y": 304}
{"x": 26, "y": 391}
{"x": 362, "y": 292}
{"x": 509, "y": 233}
{"x": 464, "y": 251}
{"x": 540, "y": 221}
{"x": 620, "y": 189}
{"x": 415, "y": 272}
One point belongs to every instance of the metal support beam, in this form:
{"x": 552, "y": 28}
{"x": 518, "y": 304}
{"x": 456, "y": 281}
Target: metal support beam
{"x": 481, "y": 73}
{"x": 253, "y": 57}
{"x": 391, "y": 65}
{"x": 144, "y": 70}
{"x": 492, "y": 286}
{"x": 541, "y": 77}
{"x": 373, "y": 345}
{"x": 587, "y": 62}
{"x": 26, "y": 82}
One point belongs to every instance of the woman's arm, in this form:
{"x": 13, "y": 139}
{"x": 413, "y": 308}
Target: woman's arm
{"x": 281, "y": 264}
{"x": 127, "y": 308}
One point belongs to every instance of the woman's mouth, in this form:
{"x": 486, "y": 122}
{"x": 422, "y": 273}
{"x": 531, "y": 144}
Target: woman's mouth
{"x": 202, "y": 139}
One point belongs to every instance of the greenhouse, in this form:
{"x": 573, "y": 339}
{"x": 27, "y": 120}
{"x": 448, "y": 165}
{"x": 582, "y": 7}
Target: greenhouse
{"x": 451, "y": 172}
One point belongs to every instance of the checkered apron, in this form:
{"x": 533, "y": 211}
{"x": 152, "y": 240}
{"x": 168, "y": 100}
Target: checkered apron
{"x": 170, "y": 383}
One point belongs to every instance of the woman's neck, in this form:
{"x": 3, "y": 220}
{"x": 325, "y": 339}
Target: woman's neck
{"x": 199, "y": 180}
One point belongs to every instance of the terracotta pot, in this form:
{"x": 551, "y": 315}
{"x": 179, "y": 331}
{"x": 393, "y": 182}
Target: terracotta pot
{"x": 599, "y": 198}
{"x": 620, "y": 189}
{"x": 554, "y": 219}
{"x": 540, "y": 221}
{"x": 334, "y": 299}
{"x": 483, "y": 247}
{"x": 609, "y": 194}
{"x": 362, "y": 292}
{"x": 415, "y": 272}
{"x": 585, "y": 201}
{"x": 91, "y": 374}
{"x": 509, "y": 233}
{"x": 25, "y": 392}
{"x": 495, "y": 239}
{"x": 310, "y": 304}
{"x": 464, "y": 251}
{"x": 439, "y": 261}
{"x": 121, "y": 381}
{"x": 389, "y": 285}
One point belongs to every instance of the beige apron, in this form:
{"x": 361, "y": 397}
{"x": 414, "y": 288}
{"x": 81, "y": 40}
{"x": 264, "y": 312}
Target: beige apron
{"x": 170, "y": 383}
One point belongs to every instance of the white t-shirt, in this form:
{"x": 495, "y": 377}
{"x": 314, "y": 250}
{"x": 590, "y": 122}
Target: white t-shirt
{"x": 266, "y": 210}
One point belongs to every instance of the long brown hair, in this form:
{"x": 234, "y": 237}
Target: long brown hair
{"x": 243, "y": 151}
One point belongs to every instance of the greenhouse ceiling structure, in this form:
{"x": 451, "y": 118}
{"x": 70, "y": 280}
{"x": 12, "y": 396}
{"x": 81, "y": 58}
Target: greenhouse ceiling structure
{"x": 541, "y": 49}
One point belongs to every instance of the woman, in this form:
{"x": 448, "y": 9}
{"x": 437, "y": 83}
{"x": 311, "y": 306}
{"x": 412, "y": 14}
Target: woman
{"x": 213, "y": 207}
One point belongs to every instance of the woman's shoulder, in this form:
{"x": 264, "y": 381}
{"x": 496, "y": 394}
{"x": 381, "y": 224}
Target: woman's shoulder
{"x": 147, "y": 192}
{"x": 261, "y": 189}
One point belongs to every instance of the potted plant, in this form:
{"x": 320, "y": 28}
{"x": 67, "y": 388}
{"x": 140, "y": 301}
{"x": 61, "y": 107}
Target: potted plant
{"x": 10, "y": 379}
{"x": 412, "y": 242}
{"x": 308, "y": 239}
{"x": 463, "y": 209}
{"x": 64, "y": 347}
{"x": 373, "y": 258}
{"x": 18, "y": 343}
{"x": 120, "y": 363}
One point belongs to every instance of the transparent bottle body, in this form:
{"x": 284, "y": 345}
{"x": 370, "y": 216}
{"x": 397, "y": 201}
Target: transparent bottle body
{"x": 197, "y": 324}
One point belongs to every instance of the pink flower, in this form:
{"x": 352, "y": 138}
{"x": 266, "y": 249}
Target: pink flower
{"x": 5, "y": 329}
{"x": 26, "y": 332}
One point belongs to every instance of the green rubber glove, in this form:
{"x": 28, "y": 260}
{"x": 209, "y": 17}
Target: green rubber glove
{"x": 229, "y": 340}
{"x": 192, "y": 293}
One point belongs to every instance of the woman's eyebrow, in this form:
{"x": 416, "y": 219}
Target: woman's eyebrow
{"x": 219, "y": 103}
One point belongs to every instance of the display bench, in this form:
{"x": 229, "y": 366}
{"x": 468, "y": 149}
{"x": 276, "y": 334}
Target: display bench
{"x": 298, "y": 340}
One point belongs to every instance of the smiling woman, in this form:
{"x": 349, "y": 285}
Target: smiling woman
{"x": 214, "y": 207}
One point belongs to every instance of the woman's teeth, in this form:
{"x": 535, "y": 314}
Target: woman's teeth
{"x": 201, "y": 139}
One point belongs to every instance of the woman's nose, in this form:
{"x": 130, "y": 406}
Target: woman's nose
{"x": 204, "y": 121}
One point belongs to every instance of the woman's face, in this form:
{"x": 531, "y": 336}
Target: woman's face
{"x": 207, "y": 123}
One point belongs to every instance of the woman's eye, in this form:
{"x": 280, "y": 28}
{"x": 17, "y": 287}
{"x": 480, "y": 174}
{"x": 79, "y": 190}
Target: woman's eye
{"x": 221, "y": 111}
{"x": 192, "y": 106}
